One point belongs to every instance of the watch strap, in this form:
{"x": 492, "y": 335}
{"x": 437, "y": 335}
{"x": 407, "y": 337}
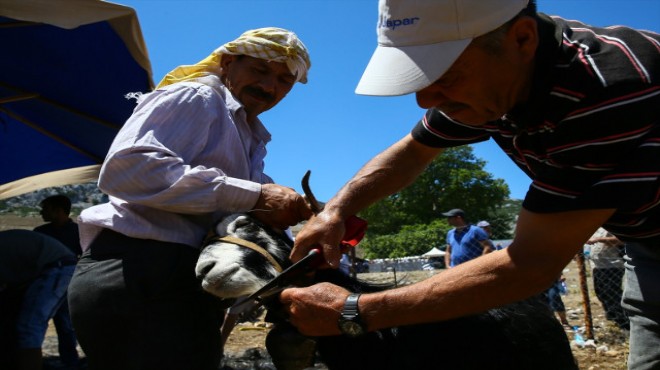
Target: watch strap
{"x": 351, "y": 306}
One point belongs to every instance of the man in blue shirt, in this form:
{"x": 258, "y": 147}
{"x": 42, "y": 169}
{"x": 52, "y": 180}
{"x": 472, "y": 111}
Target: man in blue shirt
{"x": 464, "y": 241}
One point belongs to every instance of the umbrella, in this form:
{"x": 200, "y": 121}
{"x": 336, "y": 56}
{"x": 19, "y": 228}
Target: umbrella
{"x": 65, "y": 71}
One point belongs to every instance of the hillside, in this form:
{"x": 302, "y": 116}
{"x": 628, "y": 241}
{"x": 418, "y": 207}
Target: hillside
{"x": 81, "y": 195}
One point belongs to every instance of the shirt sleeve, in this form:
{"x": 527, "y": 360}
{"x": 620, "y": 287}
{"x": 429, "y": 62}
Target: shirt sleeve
{"x": 439, "y": 131}
{"x": 158, "y": 158}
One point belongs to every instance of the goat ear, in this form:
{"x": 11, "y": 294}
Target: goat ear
{"x": 229, "y": 224}
{"x": 244, "y": 225}
{"x": 239, "y": 222}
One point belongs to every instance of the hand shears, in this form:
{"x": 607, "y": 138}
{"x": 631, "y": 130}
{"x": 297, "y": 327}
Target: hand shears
{"x": 285, "y": 279}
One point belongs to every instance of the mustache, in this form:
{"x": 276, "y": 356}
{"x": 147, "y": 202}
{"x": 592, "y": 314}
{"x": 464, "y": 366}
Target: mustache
{"x": 260, "y": 93}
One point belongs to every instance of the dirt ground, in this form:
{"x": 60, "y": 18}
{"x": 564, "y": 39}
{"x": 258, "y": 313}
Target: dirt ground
{"x": 609, "y": 351}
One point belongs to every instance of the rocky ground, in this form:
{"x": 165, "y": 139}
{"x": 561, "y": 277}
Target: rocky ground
{"x": 245, "y": 348}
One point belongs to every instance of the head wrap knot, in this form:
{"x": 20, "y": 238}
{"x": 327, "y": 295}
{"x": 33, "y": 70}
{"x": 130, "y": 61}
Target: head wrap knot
{"x": 270, "y": 43}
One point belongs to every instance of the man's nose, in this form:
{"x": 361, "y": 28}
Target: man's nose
{"x": 268, "y": 84}
{"x": 428, "y": 98}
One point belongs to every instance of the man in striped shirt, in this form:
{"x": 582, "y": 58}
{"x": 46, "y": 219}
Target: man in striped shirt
{"x": 574, "y": 106}
{"x": 192, "y": 152}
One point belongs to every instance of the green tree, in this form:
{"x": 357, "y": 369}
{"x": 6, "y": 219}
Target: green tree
{"x": 504, "y": 217}
{"x": 411, "y": 221}
{"x": 411, "y": 240}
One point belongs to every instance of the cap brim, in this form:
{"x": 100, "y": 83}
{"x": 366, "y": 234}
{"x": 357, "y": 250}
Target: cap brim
{"x": 403, "y": 70}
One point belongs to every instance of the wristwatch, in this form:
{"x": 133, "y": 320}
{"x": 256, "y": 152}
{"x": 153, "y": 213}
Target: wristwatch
{"x": 349, "y": 322}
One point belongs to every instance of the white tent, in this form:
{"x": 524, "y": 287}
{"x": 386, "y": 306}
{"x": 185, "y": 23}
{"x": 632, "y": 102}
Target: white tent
{"x": 434, "y": 252}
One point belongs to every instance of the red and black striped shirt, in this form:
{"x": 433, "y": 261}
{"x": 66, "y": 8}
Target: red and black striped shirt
{"x": 589, "y": 137}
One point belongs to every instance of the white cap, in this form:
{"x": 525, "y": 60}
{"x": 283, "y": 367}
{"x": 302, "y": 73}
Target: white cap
{"x": 419, "y": 40}
{"x": 483, "y": 224}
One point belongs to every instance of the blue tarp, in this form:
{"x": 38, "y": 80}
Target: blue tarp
{"x": 62, "y": 94}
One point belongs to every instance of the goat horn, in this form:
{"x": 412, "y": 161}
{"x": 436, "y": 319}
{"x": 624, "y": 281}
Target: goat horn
{"x": 309, "y": 196}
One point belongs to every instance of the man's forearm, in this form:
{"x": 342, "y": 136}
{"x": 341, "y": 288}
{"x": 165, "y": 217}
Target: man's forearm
{"x": 468, "y": 288}
{"x": 390, "y": 171}
{"x": 529, "y": 265}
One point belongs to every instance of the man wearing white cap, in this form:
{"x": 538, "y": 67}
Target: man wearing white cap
{"x": 192, "y": 152}
{"x": 486, "y": 226}
{"x": 574, "y": 106}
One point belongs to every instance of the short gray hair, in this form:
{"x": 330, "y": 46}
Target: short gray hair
{"x": 491, "y": 42}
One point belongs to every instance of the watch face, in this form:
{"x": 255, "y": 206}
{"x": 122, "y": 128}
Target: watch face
{"x": 351, "y": 328}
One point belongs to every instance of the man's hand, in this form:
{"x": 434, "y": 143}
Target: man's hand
{"x": 323, "y": 230}
{"x": 315, "y": 310}
{"x": 280, "y": 206}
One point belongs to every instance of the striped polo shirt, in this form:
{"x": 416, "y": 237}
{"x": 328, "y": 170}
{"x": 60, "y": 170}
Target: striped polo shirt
{"x": 589, "y": 136}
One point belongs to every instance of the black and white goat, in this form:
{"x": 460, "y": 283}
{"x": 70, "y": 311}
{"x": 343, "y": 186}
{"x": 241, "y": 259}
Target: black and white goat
{"x": 525, "y": 335}
{"x": 242, "y": 257}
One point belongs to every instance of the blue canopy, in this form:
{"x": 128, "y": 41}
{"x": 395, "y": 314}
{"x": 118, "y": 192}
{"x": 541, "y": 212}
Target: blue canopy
{"x": 65, "y": 70}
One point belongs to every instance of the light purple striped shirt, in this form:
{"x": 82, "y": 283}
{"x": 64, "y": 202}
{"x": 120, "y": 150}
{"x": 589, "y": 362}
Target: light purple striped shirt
{"x": 183, "y": 160}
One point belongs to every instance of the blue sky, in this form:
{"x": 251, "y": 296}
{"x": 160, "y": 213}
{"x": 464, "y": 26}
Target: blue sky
{"x": 323, "y": 125}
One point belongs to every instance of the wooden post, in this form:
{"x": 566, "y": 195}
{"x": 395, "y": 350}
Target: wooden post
{"x": 586, "y": 303}
{"x": 393, "y": 269}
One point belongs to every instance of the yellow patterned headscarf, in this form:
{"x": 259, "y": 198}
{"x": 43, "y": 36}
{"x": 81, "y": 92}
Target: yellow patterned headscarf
{"x": 270, "y": 43}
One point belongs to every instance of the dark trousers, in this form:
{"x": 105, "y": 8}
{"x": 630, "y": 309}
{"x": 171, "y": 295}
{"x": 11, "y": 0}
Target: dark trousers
{"x": 136, "y": 304}
{"x": 10, "y": 307}
{"x": 641, "y": 302}
{"x": 66, "y": 336}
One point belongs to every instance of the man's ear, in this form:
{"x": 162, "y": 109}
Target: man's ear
{"x": 225, "y": 61}
{"x": 525, "y": 37}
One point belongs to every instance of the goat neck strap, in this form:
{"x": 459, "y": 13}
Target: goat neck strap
{"x": 248, "y": 244}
